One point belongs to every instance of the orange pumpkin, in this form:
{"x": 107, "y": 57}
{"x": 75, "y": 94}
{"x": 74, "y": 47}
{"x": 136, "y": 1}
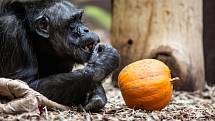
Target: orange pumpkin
{"x": 146, "y": 84}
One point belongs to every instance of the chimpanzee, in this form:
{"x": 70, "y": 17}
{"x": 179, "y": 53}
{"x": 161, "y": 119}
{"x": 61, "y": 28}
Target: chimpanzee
{"x": 41, "y": 40}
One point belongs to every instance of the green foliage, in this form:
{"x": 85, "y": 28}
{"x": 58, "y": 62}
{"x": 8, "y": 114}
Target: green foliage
{"x": 100, "y": 15}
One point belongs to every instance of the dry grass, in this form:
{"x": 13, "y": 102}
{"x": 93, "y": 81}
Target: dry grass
{"x": 184, "y": 106}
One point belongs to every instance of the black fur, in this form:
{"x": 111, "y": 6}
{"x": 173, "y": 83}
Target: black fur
{"x": 41, "y": 40}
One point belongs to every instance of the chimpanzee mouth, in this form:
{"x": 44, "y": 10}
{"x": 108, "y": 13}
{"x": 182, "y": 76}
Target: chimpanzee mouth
{"x": 88, "y": 48}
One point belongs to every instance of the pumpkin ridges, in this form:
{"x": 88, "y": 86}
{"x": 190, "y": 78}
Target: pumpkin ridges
{"x": 165, "y": 101}
{"x": 150, "y": 104}
{"x": 156, "y": 79}
{"x": 160, "y": 104}
{"x": 156, "y": 105}
{"x": 128, "y": 79}
{"x": 140, "y": 71}
{"x": 148, "y": 98}
{"x": 146, "y": 84}
{"x": 142, "y": 86}
{"x": 124, "y": 76}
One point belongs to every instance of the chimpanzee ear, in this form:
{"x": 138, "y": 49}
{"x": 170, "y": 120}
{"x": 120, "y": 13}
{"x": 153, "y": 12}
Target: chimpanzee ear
{"x": 42, "y": 26}
{"x": 17, "y": 8}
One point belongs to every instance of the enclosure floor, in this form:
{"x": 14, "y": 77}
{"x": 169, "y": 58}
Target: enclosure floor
{"x": 184, "y": 106}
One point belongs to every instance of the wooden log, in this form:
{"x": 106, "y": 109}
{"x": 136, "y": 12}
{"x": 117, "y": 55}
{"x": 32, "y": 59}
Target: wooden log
{"x": 168, "y": 30}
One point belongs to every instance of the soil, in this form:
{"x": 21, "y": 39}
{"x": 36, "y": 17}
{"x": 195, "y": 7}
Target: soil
{"x": 184, "y": 106}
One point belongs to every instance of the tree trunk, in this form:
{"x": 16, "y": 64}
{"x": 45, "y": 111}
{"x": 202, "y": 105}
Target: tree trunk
{"x": 168, "y": 30}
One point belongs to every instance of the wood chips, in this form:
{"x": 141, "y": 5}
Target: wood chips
{"x": 184, "y": 106}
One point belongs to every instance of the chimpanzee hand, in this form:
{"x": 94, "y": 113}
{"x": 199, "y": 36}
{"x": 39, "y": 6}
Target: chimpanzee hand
{"x": 104, "y": 60}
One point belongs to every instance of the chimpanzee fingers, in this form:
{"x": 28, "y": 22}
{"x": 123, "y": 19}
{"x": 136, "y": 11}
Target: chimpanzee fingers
{"x": 105, "y": 57}
{"x": 95, "y": 105}
{"x": 97, "y": 99}
{"x": 104, "y": 60}
{"x": 106, "y": 49}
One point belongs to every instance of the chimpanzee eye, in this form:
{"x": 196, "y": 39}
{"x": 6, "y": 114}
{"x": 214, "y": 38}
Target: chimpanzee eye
{"x": 74, "y": 20}
{"x": 72, "y": 26}
{"x": 71, "y": 20}
{"x": 73, "y": 23}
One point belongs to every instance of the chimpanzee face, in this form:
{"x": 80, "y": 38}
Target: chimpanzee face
{"x": 61, "y": 25}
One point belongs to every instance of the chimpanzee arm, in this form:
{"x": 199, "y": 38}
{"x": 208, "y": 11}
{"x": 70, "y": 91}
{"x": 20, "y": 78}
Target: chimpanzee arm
{"x": 72, "y": 88}
{"x": 66, "y": 88}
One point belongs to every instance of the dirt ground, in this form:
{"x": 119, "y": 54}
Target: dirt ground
{"x": 184, "y": 106}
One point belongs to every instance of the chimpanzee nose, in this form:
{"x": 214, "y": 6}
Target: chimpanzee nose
{"x": 91, "y": 39}
{"x": 95, "y": 38}
{"x": 83, "y": 30}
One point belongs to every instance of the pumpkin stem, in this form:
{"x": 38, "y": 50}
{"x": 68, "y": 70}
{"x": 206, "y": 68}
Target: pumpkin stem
{"x": 174, "y": 79}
